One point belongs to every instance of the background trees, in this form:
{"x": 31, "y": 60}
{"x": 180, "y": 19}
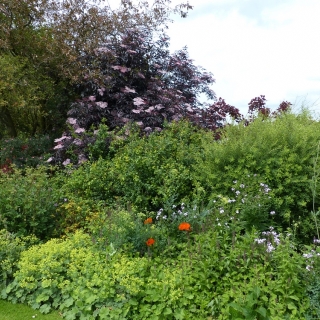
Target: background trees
{"x": 51, "y": 38}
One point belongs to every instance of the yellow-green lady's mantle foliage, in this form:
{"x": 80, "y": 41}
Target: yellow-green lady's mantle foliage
{"x": 42, "y": 272}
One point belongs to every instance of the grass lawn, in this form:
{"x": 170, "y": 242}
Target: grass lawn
{"x": 9, "y": 311}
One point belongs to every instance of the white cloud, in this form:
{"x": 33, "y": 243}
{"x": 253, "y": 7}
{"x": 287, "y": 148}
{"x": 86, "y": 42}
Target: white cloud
{"x": 277, "y": 58}
{"x": 254, "y": 47}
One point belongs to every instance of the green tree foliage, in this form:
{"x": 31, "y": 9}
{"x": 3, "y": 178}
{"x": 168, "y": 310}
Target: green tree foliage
{"x": 24, "y": 92}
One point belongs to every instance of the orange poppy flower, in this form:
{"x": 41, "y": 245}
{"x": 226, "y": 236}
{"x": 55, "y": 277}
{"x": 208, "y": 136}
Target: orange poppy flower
{"x": 148, "y": 221}
{"x": 150, "y": 242}
{"x": 184, "y": 226}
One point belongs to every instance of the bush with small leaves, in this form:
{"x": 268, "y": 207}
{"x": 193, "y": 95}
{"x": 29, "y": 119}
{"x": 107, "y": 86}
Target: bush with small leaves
{"x": 11, "y": 248}
{"x": 28, "y": 202}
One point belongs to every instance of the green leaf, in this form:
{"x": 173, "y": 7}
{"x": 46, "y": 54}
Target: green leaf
{"x": 167, "y": 311}
{"x": 291, "y": 306}
{"x": 179, "y": 314}
{"x": 262, "y": 311}
{"x": 45, "y": 308}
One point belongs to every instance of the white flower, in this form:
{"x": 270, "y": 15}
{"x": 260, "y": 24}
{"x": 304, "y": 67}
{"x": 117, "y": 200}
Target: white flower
{"x": 72, "y": 120}
{"x": 270, "y": 247}
{"x": 59, "y": 146}
{"x": 307, "y": 255}
{"x": 272, "y": 213}
{"x": 66, "y": 162}
{"x": 79, "y": 130}
{"x": 60, "y": 139}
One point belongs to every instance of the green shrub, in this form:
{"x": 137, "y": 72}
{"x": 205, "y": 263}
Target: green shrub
{"x": 146, "y": 172}
{"x": 281, "y": 152}
{"x": 23, "y": 152}
{"x": 183, "y": 164}
{"x": 28, "y": 200}
{"x": 11, "y": 248}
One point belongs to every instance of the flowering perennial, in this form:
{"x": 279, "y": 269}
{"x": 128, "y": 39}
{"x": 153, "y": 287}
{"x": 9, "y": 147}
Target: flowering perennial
{"x": 184, "y": 226}
{"x": 150, "y": 242}
{"x": 148, "y": 221}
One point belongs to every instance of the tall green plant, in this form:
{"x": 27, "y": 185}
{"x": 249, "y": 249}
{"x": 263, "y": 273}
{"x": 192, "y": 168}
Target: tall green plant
{"x": 281, "y": 151}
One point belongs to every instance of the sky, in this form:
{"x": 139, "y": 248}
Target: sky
{"x": 253, "y": 48}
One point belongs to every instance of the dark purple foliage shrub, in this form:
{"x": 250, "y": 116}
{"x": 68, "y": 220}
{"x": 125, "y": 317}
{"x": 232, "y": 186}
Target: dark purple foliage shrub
{"x": 143, "y": 83}
{"x": 257, "y": 106}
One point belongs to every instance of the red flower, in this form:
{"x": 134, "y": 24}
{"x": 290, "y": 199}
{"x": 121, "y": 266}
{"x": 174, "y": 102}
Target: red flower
{"x": 148, "y": 221}
{"x": 184, "y": 226}
{"x": 150, "y": 242}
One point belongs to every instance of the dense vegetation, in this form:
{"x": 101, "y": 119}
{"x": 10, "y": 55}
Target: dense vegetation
{"x": 123, "y": 197}
{"x": 173, "y": 225}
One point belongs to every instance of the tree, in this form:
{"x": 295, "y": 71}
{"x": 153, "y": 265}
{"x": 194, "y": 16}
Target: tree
{"x": 143, "y": 83}
{"x": 51, "y": 37}
{"x": 58, "y": 33}
{"x": 22, "y": 94}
